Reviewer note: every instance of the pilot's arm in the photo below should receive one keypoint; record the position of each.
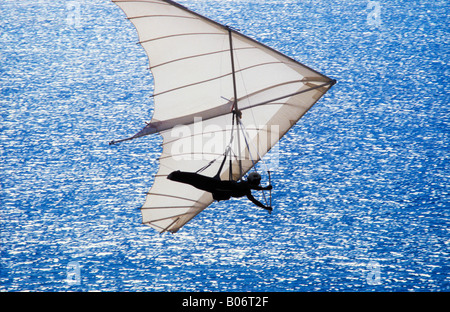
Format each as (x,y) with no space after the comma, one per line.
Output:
(260,188)
(256,202)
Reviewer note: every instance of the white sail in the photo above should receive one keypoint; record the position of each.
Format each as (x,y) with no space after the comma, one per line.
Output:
(197,81)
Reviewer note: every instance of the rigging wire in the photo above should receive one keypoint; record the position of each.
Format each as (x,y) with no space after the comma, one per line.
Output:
(228,150)
(236,121)
(246,138)
(250,109)
(244,130)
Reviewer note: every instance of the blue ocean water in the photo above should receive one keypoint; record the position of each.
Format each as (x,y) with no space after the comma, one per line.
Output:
(361,192)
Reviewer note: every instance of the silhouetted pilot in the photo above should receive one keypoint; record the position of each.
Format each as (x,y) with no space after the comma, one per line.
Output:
(223,189)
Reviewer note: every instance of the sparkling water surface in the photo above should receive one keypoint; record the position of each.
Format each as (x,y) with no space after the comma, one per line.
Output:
(361,187)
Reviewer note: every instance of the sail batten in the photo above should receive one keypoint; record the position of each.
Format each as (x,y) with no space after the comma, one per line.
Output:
(160,16)
(171,217)
(178,197)
(197,55)
(206,74)
(179,35)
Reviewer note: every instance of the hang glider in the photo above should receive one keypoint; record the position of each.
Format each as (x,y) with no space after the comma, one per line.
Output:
(220,97)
